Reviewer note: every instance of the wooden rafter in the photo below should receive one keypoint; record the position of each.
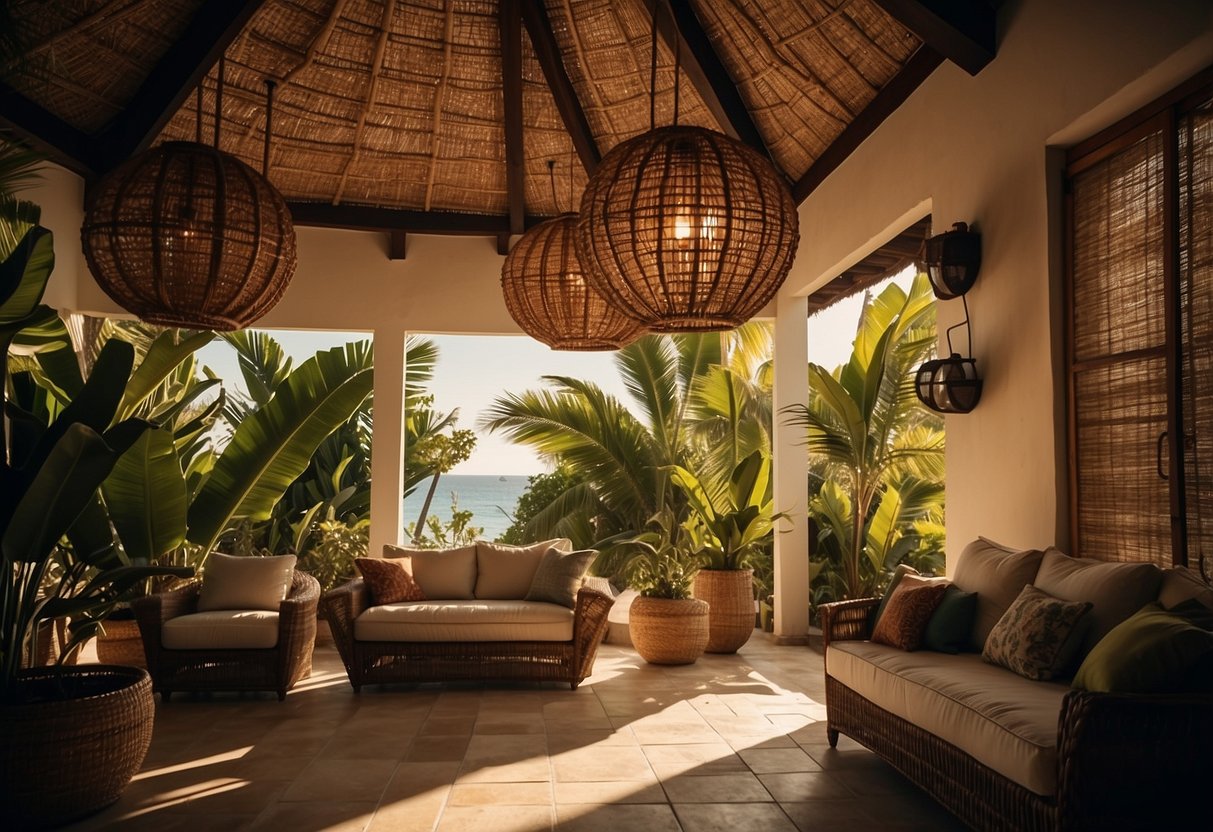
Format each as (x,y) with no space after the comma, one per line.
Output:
(882,263)
(535,18)
(385,28)
(963,31)
(921,64)
(510,17)
(397,245)
(439,97)
(46,132)
(105,14)
(184,65)
(681,30)
(372,218)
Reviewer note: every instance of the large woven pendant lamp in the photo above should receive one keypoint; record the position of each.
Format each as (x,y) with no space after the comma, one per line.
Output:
(546,292)
(187,235)
(686,229)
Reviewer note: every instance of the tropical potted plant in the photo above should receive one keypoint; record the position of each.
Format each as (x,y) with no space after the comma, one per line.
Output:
(70,737)
(667,625)
(726,531)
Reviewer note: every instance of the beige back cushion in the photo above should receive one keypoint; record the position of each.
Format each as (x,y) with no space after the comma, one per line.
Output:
(245,583)
(997,574)
(1115,590)
(504,573)
(1181,584)
(442,574)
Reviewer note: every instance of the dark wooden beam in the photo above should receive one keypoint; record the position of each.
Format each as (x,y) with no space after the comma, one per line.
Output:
(960,30)
(397,245)
(510,19)
(45,132)
(681,30)
(921,64)
(535,18)
(372,218)
(503,244)
(178,73)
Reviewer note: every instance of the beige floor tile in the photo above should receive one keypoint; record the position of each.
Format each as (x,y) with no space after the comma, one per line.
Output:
(344,780)
(533,769)
(238,798)
(506,747)
(817,814)
(707,758)
(673,733)
(316,816)
(447,726)
(731,817)
(608,762)
(410,814)
(496,819)
(615,818)
(437,749)
(778,760)
(800,786)
(501,794)
(569,740)
(509,723)
(620,791)
(743,741)
(716,788)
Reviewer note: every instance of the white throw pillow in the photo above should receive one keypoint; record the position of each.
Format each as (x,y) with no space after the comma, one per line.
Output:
(245,583)
(504,573)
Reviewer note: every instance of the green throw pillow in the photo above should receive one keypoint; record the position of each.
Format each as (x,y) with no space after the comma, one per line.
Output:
(952,622)
(559,576)
(1152,651)
(900,572)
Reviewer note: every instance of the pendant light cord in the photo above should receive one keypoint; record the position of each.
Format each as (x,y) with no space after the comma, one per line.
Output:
(269,125)
(677,72)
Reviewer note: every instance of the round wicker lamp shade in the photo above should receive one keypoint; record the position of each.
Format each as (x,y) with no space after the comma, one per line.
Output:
(547,295)
(687,230)
(187,235)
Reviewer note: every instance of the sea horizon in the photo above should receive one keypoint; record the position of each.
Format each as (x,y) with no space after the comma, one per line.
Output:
(491,498)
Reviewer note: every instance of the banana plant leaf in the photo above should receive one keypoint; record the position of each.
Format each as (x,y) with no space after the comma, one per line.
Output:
(24,274)
(163,357)
(146,496)
(271,448)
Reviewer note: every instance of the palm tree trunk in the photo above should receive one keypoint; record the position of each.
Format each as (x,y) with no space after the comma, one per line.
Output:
(419,529)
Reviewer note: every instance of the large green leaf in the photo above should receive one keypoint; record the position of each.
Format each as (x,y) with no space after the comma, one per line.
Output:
(146,496)
(163,357)
(24,275)
(273,446)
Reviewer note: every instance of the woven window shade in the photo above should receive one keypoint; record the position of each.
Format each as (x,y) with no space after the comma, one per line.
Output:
(1119,369)
(1196,304)
(687,230)
(547,295)
(186,235)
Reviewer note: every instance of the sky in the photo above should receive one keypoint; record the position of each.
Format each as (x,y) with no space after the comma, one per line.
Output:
(473,371)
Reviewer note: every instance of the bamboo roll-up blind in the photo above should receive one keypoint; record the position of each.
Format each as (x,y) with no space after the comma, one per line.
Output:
(1118,356)
(1196,299)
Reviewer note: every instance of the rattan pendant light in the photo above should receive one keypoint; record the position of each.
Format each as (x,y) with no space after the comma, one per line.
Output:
(686,229)
(187,235)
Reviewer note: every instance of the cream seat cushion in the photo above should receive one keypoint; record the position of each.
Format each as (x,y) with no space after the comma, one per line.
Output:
(221,630)
(465,621)
(1002,720)
(245,583)
(442,574)
(505,573)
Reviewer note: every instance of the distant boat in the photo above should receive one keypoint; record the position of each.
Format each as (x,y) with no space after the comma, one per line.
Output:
(501,479)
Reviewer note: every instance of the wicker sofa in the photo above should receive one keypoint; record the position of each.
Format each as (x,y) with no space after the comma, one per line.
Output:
(473,625)
(1005,752)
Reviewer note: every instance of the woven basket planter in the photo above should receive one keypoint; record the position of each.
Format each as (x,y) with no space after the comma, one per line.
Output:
(121,643)
(730,597)
(63,758)
(665,631)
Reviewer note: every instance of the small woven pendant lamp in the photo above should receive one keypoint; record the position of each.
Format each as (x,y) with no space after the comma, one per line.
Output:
(547,295)
(686,229)
(187,235)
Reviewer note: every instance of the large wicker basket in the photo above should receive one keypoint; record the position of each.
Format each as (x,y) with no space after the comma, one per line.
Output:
(665,631)
(730,597)
(63,758)
(121,643)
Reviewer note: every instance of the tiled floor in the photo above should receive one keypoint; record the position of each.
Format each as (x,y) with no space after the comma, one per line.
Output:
(731,743)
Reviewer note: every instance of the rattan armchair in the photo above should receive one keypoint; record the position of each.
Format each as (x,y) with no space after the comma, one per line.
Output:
(275,669)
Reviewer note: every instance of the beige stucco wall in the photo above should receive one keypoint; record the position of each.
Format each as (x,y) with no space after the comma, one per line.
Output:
(976,149)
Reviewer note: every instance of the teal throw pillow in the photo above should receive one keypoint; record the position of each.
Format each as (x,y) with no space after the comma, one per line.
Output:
(1152,651)
(951,624)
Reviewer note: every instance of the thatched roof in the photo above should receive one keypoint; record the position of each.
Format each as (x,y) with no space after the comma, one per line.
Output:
(442,114)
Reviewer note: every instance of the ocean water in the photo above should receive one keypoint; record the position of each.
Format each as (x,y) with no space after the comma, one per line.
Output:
(490,498)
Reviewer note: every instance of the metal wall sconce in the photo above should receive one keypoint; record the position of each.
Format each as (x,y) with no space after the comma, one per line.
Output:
(953,259)
(951,385)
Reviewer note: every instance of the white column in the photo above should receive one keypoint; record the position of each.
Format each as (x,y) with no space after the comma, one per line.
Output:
(790,464)
(387,441)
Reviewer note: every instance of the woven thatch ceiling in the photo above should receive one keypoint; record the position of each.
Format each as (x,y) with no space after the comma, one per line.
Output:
(442,115)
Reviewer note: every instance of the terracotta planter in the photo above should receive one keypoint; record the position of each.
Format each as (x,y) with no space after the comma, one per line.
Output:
(73,744)
(730,596)
(121,643)
(665,631)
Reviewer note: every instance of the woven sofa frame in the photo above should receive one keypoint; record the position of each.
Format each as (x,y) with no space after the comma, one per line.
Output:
(1124,761)
(274,669)
(381,662)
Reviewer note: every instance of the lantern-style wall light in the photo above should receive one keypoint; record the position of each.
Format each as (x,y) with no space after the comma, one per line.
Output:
(952,385)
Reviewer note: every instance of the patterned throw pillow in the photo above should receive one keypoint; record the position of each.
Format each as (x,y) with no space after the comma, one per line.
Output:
(1038,636)
(906,615)
(559,576)
(388,581)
